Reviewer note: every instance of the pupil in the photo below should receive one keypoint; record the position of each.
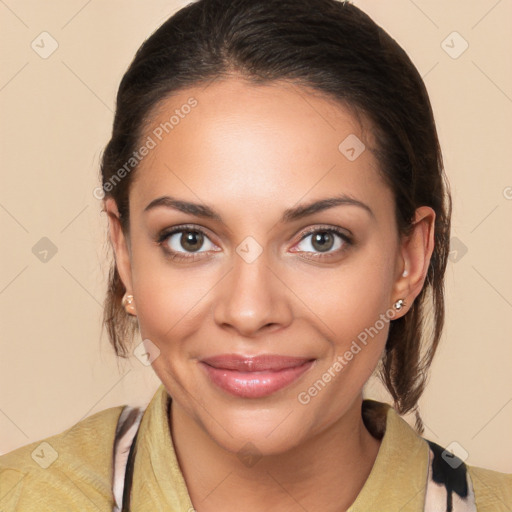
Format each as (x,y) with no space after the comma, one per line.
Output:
(322,241)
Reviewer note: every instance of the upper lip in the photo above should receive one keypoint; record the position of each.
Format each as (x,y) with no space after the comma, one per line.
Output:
(264,362)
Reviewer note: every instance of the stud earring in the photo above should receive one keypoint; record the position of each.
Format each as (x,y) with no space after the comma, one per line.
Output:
(127,301)
(399,304)
(405,273)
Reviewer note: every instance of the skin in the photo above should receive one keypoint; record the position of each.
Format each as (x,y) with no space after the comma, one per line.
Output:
(250,152)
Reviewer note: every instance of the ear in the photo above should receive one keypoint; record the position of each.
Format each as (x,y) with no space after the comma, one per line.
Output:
(414,258)
(121,245)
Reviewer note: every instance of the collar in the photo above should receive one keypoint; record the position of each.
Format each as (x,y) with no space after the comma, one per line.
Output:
(398,478)
(158,483)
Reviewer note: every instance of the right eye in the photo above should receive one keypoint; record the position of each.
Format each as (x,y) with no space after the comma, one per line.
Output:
(185,242)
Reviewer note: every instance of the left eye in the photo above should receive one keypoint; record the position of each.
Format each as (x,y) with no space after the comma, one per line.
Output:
(324,240)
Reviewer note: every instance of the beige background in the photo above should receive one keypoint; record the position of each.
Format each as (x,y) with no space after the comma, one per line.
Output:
(56,116)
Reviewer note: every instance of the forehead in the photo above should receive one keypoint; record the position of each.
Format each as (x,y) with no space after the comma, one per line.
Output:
(262,145)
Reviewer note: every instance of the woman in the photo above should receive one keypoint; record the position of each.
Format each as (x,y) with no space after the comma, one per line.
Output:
(280,221)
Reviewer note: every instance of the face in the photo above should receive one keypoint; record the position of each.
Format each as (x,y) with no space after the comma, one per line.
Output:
(264,259)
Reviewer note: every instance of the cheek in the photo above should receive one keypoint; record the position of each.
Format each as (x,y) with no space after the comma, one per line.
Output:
(168,298)
(169,306)
(347,300)
(356,323)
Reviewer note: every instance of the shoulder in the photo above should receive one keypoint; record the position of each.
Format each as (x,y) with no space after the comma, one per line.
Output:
(73,468)
(493,490)
(450,482)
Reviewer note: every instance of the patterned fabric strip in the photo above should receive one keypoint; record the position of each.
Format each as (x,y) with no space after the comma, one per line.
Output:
(449,485)
(127,427)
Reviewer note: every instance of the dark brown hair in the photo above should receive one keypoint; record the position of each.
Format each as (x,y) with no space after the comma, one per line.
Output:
(331,47)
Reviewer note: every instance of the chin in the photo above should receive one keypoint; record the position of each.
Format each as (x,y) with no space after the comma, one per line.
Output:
(252,440)
(269,431)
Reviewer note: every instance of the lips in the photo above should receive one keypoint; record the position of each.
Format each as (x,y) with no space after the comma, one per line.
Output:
(254,377)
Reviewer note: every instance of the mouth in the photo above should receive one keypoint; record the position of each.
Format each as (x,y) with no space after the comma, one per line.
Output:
(254,377)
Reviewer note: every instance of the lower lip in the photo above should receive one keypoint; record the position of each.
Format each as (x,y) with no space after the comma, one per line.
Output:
(255,384)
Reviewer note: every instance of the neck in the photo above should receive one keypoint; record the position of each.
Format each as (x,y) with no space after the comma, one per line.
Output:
(326,473)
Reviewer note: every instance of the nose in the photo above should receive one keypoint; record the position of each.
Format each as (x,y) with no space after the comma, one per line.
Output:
(252,299)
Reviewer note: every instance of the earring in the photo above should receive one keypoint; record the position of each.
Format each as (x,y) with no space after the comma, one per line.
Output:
(399,304)
(127,301)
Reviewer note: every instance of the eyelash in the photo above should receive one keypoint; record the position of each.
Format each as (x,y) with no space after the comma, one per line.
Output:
(175,255)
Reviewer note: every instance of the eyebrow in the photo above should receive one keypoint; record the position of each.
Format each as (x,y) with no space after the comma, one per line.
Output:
(289,215)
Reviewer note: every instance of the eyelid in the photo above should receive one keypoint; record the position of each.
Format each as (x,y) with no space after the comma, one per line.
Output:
(344,233)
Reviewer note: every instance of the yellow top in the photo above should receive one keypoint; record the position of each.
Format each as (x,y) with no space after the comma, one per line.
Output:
(72,471)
